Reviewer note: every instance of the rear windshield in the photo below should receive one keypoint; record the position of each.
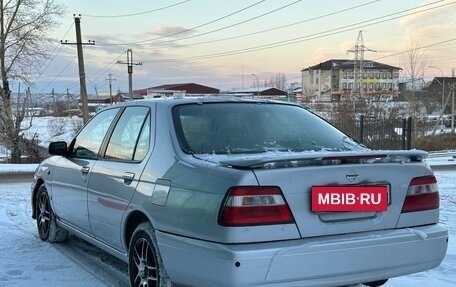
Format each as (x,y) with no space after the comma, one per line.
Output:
(233,128)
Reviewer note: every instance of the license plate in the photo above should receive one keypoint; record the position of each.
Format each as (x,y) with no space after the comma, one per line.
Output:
(349,198)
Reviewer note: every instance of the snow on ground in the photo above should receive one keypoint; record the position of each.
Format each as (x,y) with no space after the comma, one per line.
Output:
(26,261)
(445,274)
(50,129)
(442,158)
(3,151)
(46,130)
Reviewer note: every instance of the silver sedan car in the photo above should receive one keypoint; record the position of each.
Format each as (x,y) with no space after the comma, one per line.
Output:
(239,192)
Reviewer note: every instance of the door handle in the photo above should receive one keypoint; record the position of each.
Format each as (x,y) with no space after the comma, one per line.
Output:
(85,170)
(128,176)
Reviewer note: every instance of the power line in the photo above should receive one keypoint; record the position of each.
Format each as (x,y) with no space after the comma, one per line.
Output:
(58,75)
(229,26)
(136,14)
(101,72)
(279,27)
(323,34)
(52,57)
(422,47)
(330,32)
(104,70)
(106,83)
(189,29)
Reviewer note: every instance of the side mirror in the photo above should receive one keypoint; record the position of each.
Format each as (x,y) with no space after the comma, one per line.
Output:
(58,148)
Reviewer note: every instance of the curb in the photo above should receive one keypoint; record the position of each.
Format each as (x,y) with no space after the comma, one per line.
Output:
(443,167)
(18,176)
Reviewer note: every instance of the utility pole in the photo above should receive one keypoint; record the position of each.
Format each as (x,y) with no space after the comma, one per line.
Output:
(18,99)
(257,85)
(110,79)
(452,104)
(53,103)
(130,64)
(358,66)
(68,103)
(82,82)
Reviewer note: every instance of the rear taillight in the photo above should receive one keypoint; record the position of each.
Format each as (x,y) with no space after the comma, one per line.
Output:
(422,194)
(255,205)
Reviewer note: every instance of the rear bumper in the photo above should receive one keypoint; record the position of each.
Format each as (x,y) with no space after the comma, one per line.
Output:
(320,261)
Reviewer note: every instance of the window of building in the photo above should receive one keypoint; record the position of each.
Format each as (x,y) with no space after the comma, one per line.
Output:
(371,86)
(371,75)
(377,75)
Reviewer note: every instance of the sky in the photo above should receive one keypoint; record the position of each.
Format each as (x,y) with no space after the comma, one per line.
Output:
(229,44)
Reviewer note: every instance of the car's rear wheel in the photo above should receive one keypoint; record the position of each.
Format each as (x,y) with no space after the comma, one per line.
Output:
(375,283)
(145,266)
(45,219)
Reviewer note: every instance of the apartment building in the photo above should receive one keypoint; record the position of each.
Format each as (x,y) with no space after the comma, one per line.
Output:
(334,79)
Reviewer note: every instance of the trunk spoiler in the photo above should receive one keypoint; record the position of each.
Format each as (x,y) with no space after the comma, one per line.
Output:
(324,158)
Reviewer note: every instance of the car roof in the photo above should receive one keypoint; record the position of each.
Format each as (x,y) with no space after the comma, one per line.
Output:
(173,101)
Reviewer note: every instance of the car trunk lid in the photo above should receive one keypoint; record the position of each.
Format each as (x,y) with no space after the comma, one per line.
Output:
(297,174)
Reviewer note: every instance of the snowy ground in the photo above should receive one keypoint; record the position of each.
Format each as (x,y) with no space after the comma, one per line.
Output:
(52,129)
(26,261)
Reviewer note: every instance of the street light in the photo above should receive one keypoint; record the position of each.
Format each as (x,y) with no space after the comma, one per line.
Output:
(257,86)
(443,94)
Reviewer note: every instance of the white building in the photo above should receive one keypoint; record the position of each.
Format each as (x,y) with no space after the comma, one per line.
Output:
(334,79)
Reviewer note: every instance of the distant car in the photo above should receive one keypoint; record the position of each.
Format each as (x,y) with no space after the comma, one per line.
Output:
(239,192)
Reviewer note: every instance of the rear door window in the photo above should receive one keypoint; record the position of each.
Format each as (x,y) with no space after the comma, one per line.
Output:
(131,136)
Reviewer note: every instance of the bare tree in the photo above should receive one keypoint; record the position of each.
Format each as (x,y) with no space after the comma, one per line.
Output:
(24,27)
(278,81)
(414,64)
(307,93)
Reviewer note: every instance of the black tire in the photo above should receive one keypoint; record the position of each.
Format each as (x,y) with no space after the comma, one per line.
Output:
(45,219)
(376,283)
(145,267)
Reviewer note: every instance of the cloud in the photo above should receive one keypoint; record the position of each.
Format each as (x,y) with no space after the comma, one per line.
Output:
(324,54)
(172,31)
(430,28)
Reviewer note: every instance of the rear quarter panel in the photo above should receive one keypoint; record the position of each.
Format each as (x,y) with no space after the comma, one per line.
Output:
(196,191)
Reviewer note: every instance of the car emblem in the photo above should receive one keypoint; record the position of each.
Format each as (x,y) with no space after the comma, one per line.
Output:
(352,176)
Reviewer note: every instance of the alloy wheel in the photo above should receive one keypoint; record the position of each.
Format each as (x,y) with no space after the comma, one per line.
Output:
(145,264)
(44,215)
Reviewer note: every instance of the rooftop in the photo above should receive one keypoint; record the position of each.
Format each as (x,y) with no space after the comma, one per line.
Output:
(348,64)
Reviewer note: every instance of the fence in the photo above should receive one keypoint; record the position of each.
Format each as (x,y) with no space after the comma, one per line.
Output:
(380,133)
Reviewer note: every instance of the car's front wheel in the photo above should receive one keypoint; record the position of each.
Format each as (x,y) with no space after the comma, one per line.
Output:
(48,229)
(145,266)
